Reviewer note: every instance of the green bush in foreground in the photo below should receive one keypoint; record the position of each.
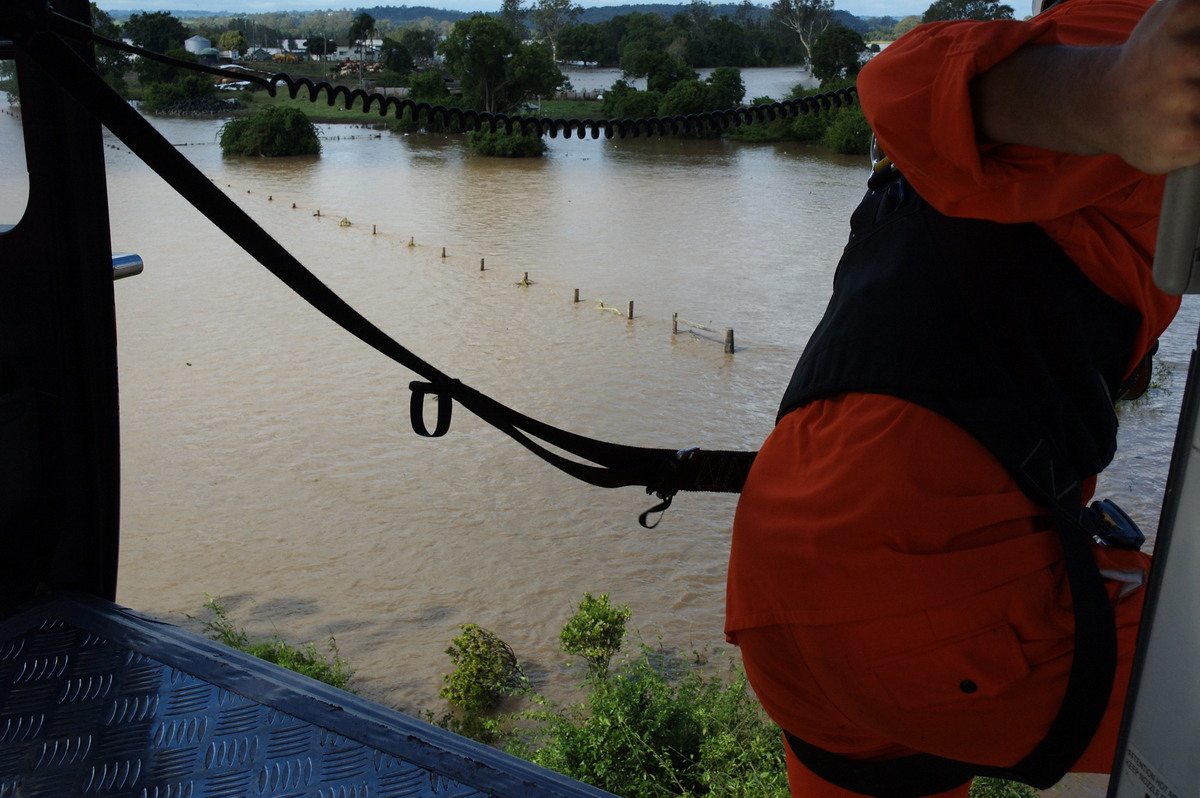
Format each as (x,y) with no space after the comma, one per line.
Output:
(595,632)
(306,659)
(659,725)
(655,725)
(486,671)
(275,130)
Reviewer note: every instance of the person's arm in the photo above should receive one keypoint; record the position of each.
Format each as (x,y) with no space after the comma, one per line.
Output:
(1139,100)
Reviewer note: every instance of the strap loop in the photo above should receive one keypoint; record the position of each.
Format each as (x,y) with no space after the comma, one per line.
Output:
(416,407)
(667,484)
(660,508)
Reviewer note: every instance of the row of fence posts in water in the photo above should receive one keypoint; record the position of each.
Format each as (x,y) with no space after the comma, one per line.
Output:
(676,322)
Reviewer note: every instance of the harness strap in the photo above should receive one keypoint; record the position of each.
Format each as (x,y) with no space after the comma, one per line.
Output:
(609,465)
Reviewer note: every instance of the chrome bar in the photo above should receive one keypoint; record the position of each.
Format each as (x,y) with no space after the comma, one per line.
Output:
(126,264)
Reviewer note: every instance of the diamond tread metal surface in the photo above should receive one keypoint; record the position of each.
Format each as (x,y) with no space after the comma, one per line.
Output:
(98,701)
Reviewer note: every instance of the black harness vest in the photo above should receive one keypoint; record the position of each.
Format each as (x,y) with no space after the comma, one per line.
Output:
(994,327)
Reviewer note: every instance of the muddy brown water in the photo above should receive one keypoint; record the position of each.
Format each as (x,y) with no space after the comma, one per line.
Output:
(267,456)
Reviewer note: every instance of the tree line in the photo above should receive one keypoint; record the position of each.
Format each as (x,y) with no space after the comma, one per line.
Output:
(501,61)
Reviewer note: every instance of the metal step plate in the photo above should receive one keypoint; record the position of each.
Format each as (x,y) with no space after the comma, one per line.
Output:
(97,700)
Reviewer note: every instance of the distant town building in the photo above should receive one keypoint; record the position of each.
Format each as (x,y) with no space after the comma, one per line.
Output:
(196,45)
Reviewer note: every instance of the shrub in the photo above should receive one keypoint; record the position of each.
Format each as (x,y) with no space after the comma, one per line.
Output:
(623,101)
(848,132)
(305,659)
(660,726)
(486,670)
(161,96)
(428,87)
(506,145)
(274,131)
(595,632)
(844,130)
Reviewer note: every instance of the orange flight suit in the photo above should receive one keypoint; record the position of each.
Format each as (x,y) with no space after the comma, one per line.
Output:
(892,589)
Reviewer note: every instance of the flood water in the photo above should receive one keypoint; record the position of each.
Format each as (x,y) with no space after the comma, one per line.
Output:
(267,455)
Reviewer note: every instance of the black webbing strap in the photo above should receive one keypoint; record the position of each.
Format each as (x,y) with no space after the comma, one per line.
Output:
(661,471)
(1089,687)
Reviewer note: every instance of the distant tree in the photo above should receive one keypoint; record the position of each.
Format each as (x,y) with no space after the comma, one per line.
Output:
(166,96)
(666,72)
(275,130)
(157,31)
(396,57)
(967,9)
(506,145)
(362,30)
(687,97)
(512,15)
(906,24)
(111,63)
(150,71)
(581,42)
(532,73)
(232,40)
(623,101)
(640,58)
(428,87)
(495,70)
(551,16)
(807,18)
(8,79)
(166,86)
(320,46)
(837,53)
(421,43)
(726,86)
(725,44)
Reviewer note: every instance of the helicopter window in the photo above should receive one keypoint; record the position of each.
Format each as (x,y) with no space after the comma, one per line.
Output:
(14,174)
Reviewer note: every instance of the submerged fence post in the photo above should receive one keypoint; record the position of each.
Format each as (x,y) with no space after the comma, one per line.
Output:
(631,308)
(481,264)
(675,321)
(576,296)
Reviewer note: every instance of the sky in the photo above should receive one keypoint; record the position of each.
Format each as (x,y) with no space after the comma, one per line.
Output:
(861,8)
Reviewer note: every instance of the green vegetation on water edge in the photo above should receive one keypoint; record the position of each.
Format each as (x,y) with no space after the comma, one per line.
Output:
(654,724)
(305,659)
